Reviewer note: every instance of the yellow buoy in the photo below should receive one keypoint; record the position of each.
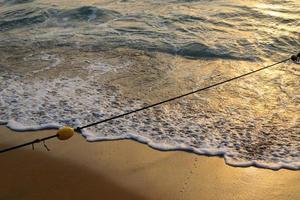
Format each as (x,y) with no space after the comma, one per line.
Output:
(65,133)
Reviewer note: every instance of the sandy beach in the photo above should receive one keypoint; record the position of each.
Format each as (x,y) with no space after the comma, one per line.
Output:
(76,169)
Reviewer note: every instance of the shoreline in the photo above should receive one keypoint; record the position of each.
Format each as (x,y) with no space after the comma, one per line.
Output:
(165,148)
(76,169)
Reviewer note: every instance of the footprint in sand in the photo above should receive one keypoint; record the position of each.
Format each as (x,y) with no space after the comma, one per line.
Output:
(187,179)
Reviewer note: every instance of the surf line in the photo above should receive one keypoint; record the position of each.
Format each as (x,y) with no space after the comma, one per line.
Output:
(66,132)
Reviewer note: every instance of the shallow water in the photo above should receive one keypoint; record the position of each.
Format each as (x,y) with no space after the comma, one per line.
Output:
(65,63)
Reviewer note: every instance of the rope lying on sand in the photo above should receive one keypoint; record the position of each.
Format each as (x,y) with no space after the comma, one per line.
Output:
(62,134)
(67,132)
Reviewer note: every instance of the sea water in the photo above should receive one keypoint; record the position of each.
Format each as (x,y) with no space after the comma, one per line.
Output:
(77,62)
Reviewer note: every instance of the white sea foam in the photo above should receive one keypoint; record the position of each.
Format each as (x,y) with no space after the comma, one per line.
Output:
(53,60)
(37,104)
(102,67)
(12,124)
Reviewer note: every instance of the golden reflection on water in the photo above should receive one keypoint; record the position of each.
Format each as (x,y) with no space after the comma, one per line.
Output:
(280,11)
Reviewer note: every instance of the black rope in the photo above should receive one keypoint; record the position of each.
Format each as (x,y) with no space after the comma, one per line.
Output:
(30,143)
(189,93)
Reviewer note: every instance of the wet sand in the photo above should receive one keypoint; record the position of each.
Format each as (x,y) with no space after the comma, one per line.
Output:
(76,169)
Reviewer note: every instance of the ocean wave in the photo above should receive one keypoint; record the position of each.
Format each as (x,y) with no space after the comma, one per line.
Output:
(198,50)
(87,13)
(14,2)
(239,33)
(28,17)
(20,18)
(260,15)
(242,140)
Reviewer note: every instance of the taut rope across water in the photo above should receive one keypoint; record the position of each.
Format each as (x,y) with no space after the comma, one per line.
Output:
(67,132)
